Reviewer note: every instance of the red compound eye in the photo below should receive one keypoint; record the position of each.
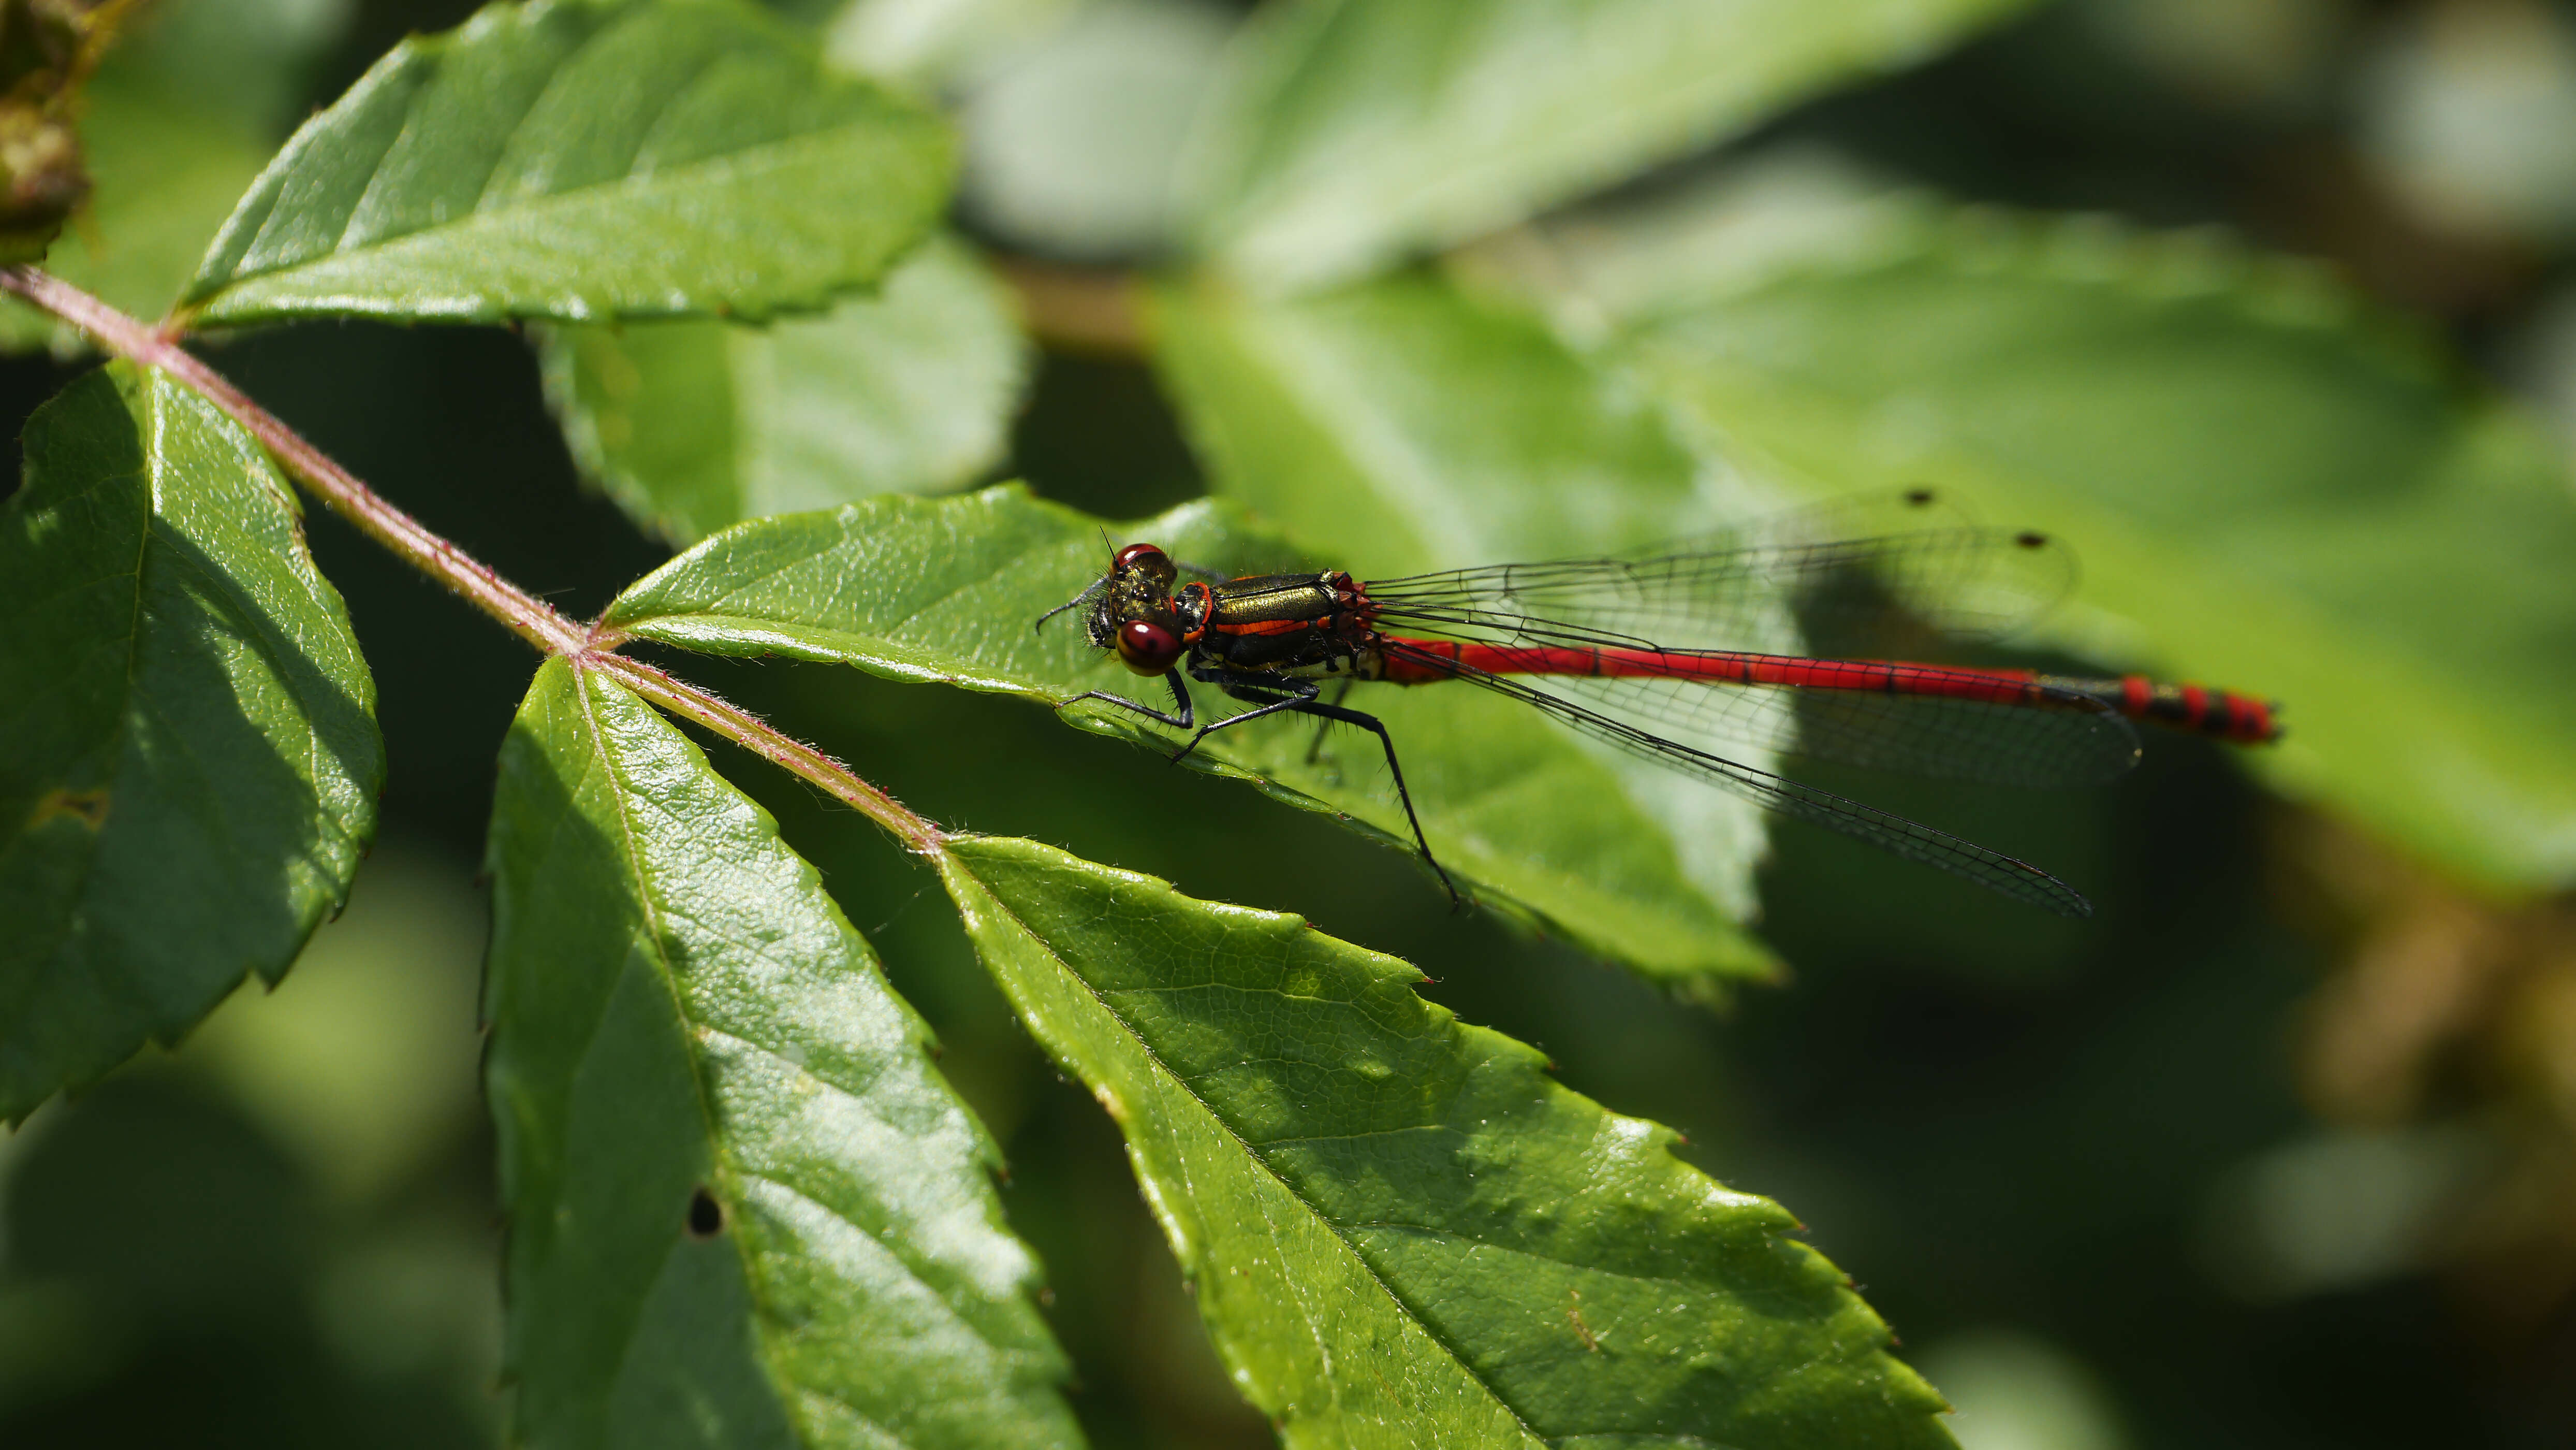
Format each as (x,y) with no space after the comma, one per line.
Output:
(1147,648)
(1129,556)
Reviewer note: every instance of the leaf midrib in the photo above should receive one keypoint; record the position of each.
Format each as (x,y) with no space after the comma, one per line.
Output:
(604,758)
(1155,1062)
(782,1386)
(769,155)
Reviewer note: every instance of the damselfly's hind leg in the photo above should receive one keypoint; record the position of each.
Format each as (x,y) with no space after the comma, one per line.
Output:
(1272,694)
(1298,697)
(1315,750)
(1329,713)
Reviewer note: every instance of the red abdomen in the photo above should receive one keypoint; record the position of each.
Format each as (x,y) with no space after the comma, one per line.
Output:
(2221,713)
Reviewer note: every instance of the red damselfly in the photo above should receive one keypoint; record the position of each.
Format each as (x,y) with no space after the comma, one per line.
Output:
(1647,654)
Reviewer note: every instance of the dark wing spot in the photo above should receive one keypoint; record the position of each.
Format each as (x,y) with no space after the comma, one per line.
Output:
(1918,496)
(2031,541)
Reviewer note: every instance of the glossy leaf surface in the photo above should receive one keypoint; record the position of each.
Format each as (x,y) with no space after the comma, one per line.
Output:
(2270,489)
(1400,1231)
(948,590)
(581,160)
(695,424)
(740,1199)
(191,759)
(1346,134)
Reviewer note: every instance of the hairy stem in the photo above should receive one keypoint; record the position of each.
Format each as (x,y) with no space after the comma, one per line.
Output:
(776,746)
(524,614)
(527,616)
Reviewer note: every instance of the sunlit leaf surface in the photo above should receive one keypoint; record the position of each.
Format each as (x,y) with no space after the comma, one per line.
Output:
(740,1199)
(191,762)
(948,590)
(2269,488)
(1346,133)
(1400,1231)
(695,424)
(579,160)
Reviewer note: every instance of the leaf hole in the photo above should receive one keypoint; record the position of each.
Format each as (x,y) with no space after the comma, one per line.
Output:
(706,1216)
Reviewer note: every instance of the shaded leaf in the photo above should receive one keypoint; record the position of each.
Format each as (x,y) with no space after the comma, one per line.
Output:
(1345,134)
(2270,489)
(191,759)
(582,160)
(695,424)
(947,590)
(1400,1231)
(166,176)
(740,1198)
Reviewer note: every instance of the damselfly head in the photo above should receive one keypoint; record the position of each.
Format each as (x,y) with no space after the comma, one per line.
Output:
(1132,612)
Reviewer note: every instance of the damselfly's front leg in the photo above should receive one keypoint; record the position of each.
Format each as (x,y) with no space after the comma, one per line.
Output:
(1184,718)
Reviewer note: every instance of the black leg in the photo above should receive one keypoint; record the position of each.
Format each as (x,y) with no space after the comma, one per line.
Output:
(1315,751)
(1324,711)
(1186,718)
(1300,699)
(1268,694)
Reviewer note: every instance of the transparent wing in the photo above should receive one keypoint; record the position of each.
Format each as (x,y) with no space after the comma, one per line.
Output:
(1874,577)
(1889,832)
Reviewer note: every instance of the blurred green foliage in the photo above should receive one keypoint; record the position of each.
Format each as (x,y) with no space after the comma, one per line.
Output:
(2031,1141)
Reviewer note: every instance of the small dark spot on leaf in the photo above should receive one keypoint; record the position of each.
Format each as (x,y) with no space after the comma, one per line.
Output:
(1918,496)
(706,1216)
(2030,541)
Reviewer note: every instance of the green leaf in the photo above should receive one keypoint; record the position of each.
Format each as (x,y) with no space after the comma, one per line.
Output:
(695,424)
(1413,427)
(1399,1229)
(947,590)
(165,177)
(1345,134)
(583,160)
(192,762)
(2270,489)
(741,1202)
